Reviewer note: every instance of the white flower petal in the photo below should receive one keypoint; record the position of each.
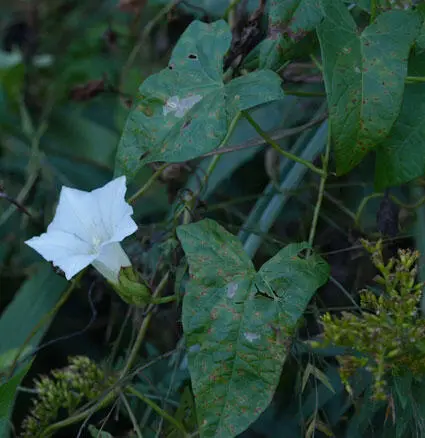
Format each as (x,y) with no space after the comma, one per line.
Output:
(86,229)
(76,214)
(65,250)
(114,210)
(99,216)
(110,260)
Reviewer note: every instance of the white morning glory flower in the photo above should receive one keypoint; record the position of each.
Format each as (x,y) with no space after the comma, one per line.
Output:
(87,229)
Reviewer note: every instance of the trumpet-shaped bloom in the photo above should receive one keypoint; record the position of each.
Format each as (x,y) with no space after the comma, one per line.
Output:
(87,229)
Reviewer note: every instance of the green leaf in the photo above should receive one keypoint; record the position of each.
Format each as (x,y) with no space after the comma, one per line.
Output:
(185,110)
(401,157)
(8,391)
(237,336)
(185,414)
(364,77)
(300,15)
(403,388)
(35,299)
(268,116)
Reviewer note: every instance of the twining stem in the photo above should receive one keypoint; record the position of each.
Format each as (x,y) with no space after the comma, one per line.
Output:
(278,134)
(281,151)
(148,184)
(323,178)
(143,328)
(131,415)
(363,204)
(44,320)
(393,198)
(213,163)
(186,212)
(164,414)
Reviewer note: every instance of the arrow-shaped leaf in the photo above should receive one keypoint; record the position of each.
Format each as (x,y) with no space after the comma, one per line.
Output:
(238,322)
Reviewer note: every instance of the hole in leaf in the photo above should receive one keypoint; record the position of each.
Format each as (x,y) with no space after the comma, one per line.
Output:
(144,155)
(192,56)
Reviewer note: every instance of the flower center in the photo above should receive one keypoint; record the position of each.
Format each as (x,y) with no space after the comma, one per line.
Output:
(96,244)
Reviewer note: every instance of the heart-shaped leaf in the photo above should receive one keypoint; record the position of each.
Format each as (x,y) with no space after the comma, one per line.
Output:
(238,322)
(185,110)
(364,77)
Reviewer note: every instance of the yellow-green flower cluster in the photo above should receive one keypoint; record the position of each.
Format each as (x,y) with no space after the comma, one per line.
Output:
(388,336)
(67,389)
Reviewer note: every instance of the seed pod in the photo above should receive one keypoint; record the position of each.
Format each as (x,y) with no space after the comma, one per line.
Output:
(387,217)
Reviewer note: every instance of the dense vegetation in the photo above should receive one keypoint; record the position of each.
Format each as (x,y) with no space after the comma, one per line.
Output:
(247,261)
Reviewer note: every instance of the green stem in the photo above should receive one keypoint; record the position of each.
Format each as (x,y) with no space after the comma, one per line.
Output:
(413,206)
(393,198)
(321,189)
(373,10)
(164,300)
(316,62)
(213,163)
(133,419)
(106,399)
(266,211)
(49,315)
(186,211)
(277,134)
(148,184)
(281,151)
(164,414)
(33,170)
(143,329)
(79,417)
(229,9)
(340,205)
(415,79)
(363,205)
